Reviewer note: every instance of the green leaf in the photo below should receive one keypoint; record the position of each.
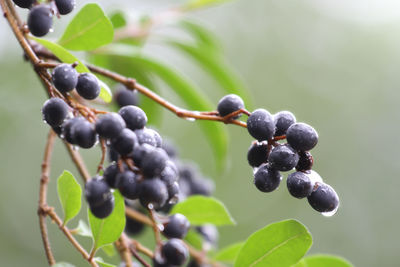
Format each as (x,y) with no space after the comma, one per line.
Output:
(216,67)
(229,253)
(83,229)
(279,244)
(194,239)
(323,260)
(118,19)
(66,57)
(202,36)
(88,30)
(62,264)
(109,250)
(70,194)
(102,263)
(196,4)
(106,231)
(201,210)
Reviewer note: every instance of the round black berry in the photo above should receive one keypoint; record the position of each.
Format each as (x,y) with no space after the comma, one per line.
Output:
(267,179)
(68,129)
(54,111)
(283,120)
(125,142)
(201,186)
(177,226)
(170,148)
(24,3)
(133,227)
(228,104)
(153,191)
(299,184)
(260,125)
(140,152)
(128,185)
(65,77)
(169,174)
(97,192)
(88,86)
(65,6)
(323,198)
(40,20)
(209,233)
(145,136)
(110,125)
(103,210)
(302,137)
(110,175)
(112,154)
(157,137)
(175,251)
(257,153)
(154,163)
(134,117)
(173,192)
(283,158)
(125,97)
(83,134)
(306,161)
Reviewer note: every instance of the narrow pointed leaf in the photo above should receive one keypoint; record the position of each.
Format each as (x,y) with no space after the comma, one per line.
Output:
(229,253)
(323,260)
(66,57)
(88,30)
(106,231)
(70,194)
(202,36)
(280,244)
(201,210)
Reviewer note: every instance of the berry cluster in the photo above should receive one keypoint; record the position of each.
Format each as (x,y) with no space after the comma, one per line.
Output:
(269,157)
(40,17)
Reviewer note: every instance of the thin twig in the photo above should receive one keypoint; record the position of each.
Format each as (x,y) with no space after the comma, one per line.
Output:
(77,159)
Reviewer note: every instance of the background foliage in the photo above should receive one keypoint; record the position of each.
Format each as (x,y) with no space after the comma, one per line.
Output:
(330,65)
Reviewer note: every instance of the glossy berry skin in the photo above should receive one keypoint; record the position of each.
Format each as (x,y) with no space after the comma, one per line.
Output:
(173,192)
(201,186)
(24,3)
(169,174)
(170,149)
(65,78)
(267,179)
(260,125)
(157,137)
(154,163)
(153,191)
(103,210)
(302,137)
(145,136)
(175,251)
(125,97)
(110,125)
(83,134)
(306,161)
(97,192)
(65,6)
(299,185)
(209,233)
(134,117)
(54,111)
(40,20)
(125,142)
(110,175)
(128,185)
(228,104)
(140,152)
(283,158)
(283,120)
(323,198)
(68,129)
(88,86)
(177,226)
(257,154)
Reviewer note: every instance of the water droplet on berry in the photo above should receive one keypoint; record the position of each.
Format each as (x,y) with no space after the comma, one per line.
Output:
(75,148)
(150,206)
(330,213)
(62,136)
(314,177)
(51,30)
(190,119)
(160,227)
(174,200)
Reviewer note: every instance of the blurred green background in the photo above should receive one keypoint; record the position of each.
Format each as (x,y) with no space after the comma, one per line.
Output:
(334,64)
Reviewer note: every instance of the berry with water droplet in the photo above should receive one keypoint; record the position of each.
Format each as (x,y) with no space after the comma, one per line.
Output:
(88,86)
(267,179)
(299,184)
(54,111)
(175,251)
(283,158)
(257,154)
(302,137)
(177,226)
(283,120)
(323,198)
(65,78)
(40,20)
(260,125)
(65,6)
(110,125)
(134,117)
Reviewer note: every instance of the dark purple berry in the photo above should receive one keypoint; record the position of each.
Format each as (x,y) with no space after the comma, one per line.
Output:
(154,163)
(110,125)
(133,227)
(283,120)
(145,136)
(65,78)
(177,226)
(88,86)
(112,154)
(299,184)
(306,161)
(65,6)
(169,174)
(175,251)
(134,117)
(103,210)
(40,20)
(54,111)
(125,142)
(170,148)
(83,134)
(140,152)
(128,185)
(173,192)
(257,154)
(283,158)
(68,129)
(323,198)
(209,233)
(302,137)
(97,192)
(157,137)
(153,191)
(260,125)
(201,186)
(24,3)
(228,104)
(125,97)
(110,175)
(267,179)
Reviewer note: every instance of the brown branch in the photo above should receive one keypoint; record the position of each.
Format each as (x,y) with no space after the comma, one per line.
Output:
(77,159)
